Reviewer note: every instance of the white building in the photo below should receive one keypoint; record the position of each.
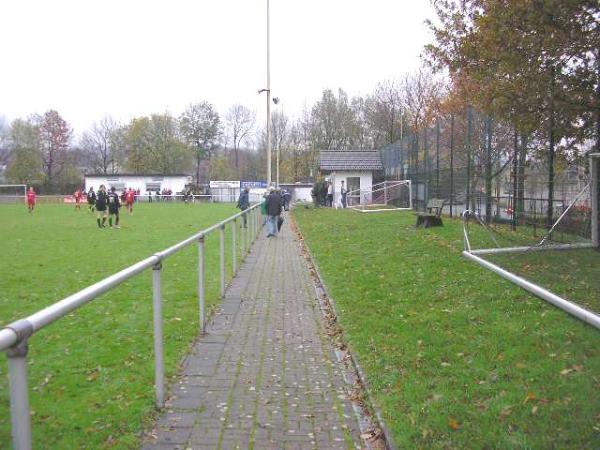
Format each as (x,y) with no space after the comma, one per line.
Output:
(355,168)
(144,182)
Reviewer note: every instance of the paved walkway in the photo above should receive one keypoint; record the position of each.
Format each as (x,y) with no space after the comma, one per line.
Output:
(265,375)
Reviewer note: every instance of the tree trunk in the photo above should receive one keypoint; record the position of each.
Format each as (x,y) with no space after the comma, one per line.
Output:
(488,171)
(521,177)
(515,172)
(551,155)
(437,158)
(451,165)
(469,133)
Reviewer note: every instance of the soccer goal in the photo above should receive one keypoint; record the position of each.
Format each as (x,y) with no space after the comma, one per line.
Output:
(385,196)
(560,266)
(12,193)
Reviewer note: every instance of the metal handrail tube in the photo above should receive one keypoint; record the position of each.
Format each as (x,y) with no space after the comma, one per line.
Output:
(559,302)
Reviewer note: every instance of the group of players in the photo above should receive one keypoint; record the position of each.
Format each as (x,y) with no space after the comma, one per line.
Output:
(105,203)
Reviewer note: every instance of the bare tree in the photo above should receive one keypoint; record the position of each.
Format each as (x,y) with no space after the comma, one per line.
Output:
(100,146)
(386,112)
(240,122)
(199,126)
(55,136)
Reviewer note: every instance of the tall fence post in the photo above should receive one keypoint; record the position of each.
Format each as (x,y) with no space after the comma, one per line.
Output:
(243,237)
(159,371)
(234,246)
(222,260)
(201,281)
(19,396)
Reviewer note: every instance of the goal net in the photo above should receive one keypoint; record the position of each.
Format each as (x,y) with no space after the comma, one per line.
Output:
(385,196)
(12,193)
(557,260)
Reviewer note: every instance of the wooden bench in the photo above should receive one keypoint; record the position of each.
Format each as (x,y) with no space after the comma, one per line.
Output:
(433,216)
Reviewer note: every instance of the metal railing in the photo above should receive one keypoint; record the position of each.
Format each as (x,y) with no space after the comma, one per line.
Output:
(15,336)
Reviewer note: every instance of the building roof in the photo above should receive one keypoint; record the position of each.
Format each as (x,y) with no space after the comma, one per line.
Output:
(118,175)
(350,160)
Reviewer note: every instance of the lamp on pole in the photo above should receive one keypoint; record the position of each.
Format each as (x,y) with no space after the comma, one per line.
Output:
(268,91)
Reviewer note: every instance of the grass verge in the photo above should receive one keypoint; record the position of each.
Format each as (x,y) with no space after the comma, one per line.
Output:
(92,373)
(455,356)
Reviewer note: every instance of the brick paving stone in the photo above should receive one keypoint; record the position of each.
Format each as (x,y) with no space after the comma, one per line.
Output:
(264,375)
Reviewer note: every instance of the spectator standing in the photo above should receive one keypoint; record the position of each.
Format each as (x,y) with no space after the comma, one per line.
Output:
(274,206)
(329,194)
(343,191)
(244,203)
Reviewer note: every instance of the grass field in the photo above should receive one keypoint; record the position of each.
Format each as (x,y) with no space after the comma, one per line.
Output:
(455,356)
(92,373)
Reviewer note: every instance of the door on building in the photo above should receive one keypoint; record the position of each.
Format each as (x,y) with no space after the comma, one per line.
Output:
(353,186)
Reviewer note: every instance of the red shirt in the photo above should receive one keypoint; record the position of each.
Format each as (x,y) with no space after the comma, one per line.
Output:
(30,196)
(77,195)
(130,196)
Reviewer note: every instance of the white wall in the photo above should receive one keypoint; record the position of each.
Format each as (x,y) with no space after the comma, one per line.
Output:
(366,181)
(176,184)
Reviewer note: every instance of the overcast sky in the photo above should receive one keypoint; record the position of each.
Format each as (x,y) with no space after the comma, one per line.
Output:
(126,58)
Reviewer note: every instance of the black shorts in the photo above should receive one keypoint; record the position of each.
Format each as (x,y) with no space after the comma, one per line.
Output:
(101,207)
(91,201)
(113,210)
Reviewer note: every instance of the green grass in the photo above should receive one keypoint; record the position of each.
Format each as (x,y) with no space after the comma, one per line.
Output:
(455,356)
(92,373)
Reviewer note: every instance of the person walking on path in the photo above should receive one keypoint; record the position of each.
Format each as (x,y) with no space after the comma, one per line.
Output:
(274,206)
(244,203)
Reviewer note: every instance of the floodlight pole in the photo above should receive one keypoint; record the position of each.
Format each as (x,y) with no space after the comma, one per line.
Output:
(268,97)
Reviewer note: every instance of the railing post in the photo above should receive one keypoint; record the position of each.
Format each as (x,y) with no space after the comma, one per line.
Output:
(234,246)
(222,260)
(159,371)
(243,237)
(19,396)
(201,281)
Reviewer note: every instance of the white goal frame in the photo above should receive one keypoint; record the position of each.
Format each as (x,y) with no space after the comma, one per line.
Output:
(572,308)
(380,187)
(15,196)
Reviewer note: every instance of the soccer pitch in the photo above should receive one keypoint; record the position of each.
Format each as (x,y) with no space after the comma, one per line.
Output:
(91,374)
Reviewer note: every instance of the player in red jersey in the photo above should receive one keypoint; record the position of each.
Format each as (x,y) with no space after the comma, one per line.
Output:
(30,199)
(129,199)
(77,196)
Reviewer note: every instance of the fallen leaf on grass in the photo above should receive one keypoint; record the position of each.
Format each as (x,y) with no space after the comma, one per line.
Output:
(530,397)
(454,424)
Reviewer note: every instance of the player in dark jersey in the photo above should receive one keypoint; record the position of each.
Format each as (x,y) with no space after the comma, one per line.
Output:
(91,199)
(113,207)
(101,201)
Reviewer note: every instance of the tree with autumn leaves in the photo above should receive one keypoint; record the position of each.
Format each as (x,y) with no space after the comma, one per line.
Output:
(533,64)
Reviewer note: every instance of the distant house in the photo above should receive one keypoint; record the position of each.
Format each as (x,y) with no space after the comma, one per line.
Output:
(355,168)
(144,182)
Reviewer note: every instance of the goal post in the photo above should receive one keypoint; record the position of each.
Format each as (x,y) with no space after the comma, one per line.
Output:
(13,193)
(384,196)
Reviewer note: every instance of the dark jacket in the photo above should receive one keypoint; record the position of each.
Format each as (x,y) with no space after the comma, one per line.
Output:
(243,202)
(274,204)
